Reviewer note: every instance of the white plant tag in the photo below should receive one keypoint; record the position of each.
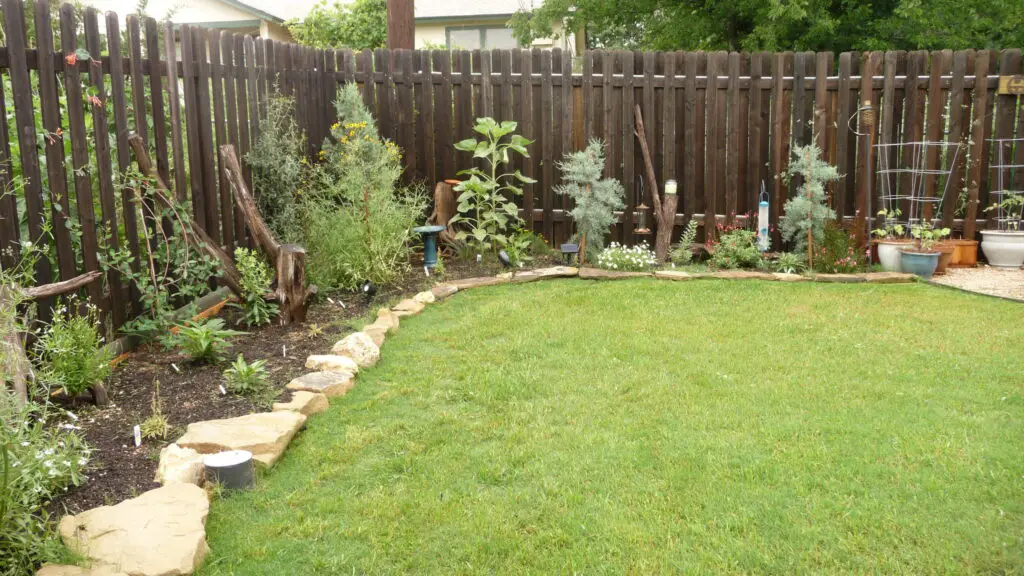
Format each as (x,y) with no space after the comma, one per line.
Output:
(175,366)
(138,436)
(223,392)
(284,350)
(426,271)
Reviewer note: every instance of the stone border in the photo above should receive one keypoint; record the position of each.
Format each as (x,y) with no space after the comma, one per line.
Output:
(267,434)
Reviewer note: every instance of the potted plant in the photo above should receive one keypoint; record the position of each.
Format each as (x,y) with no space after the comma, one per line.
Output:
(1004,248)
(889,239)
(922,258)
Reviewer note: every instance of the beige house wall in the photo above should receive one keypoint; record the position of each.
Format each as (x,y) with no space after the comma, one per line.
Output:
(433,32)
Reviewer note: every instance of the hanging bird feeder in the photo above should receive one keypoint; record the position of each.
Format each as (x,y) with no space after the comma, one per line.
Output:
(641,210)
(763,240)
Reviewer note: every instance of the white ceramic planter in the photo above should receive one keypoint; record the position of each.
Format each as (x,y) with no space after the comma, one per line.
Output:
(889,255)
(1002,248)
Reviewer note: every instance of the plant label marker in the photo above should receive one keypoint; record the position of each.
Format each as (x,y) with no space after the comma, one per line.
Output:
(223,392)
(284,350)
(479,258)
(426,271)
(138,435)
(175,366)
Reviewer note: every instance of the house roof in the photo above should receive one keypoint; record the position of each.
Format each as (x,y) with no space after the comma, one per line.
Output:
(248,7)
(446,9)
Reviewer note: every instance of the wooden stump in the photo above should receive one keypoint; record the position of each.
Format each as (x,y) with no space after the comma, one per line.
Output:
(291,283)
(444,210)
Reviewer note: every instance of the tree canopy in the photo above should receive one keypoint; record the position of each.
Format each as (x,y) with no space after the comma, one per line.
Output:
(358,25)
(835,25)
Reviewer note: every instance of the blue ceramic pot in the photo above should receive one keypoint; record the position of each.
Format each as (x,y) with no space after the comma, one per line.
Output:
(921,263)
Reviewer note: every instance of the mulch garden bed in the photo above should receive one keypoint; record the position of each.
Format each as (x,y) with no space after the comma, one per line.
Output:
(191,393)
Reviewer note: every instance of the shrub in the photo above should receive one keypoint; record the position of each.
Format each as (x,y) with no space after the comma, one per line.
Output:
(70,351)
(357,218)
(807,211)
(484,203)
(736,248)
(595,199)
(277,162)
(682,253)
(256,278)
(203,341)
(37,462)
(837,253)
(639,258)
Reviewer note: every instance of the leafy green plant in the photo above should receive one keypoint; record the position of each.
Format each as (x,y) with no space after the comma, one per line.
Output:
(595,200)
(245,378)
(736,248)
(790,263)
(617,257)
(807,212)
(37,462)
(927,235)
(156,426)
(1012,207)
(359,25)
(682,253)
(524,246)
(203,341)
(278,165)
(255,279)
(890,227)
(70,351)
(357,217)
(484,205)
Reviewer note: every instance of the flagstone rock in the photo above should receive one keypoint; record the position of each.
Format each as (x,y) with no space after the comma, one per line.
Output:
(65,570)
(888,277)
(388,319)
(160,533)
(602,274)
(408,307)
(742,275)
(545,274)
(675,275)
(265,434)
(376,332)
(467,283)
(330,383)
(839,278)
(425,297)
(332,362)
(442,291)
(306,403)
(786,277)
(359,347)
(180,465)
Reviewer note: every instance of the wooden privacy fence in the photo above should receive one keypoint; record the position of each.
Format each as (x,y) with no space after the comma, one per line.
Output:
(721,124)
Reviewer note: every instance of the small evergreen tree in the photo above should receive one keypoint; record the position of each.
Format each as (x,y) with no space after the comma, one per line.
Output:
(595,200)
(807,212)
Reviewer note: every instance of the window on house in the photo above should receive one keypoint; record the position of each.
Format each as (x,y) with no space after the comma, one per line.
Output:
(480,37)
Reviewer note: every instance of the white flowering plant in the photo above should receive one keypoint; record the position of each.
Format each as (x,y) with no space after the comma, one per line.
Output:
(620,258)
(70,350)
(37,462)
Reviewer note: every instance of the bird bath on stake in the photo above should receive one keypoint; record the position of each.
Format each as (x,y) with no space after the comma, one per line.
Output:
(429,234)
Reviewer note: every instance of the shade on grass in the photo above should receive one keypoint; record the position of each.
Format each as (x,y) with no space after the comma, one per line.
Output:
(647,426)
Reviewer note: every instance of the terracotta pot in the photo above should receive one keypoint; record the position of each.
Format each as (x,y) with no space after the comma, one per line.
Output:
(965,255)
(945,249)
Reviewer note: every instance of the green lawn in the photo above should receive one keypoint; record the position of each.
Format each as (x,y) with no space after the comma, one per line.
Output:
(647,426)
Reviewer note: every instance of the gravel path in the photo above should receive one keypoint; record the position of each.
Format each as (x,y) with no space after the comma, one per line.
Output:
(987,280)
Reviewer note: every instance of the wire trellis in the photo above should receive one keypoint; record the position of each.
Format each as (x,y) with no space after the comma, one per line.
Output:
(1007,197)
(902,188)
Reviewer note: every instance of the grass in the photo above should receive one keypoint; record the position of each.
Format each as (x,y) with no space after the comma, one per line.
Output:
(645,426)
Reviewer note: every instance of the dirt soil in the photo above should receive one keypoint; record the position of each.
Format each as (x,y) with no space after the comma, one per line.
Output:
(191,392)
(986,280)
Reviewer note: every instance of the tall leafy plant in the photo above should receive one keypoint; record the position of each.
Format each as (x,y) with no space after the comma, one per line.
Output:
(358,217)
(803,222)
(595,199)
(485,203)
(278,164)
